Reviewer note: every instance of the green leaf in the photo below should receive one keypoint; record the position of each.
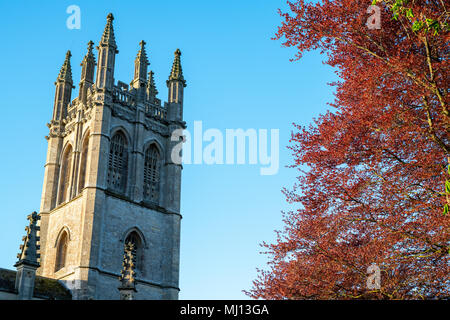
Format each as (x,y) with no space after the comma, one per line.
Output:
(445,209)
(447,186)
(417,25)
(429,21)
(409,13)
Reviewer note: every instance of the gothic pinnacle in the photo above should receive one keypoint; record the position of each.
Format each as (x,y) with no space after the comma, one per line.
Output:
(108,34)
(65,74)
(89,57)
(90,46)
(87,72)
(29,250)
(142,55)
(177,72)
(127,275)
(151,86)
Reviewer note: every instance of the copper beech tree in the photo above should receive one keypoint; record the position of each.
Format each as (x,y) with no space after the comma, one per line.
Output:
(371,171)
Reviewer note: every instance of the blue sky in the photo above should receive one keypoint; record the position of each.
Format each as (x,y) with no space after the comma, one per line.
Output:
(237,78)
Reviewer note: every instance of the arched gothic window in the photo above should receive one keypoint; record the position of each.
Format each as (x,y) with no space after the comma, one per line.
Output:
(61,251)
(152,173)
(83,163)
(118,160)
(134,238)
(64,177)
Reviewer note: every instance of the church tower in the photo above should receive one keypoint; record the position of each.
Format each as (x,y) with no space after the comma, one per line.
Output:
(110,180)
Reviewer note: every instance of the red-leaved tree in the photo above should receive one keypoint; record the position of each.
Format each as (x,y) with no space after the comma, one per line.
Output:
(373,191)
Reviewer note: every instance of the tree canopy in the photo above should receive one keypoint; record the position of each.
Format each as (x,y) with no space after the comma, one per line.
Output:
(377,162)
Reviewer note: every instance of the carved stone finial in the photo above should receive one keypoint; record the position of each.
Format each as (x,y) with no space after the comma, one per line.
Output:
(108,37)
(89,57)
(177,72)
(90,47)
(127,275)
(152,92)
(65,74)
(141,64)
(141,57)
(29,250)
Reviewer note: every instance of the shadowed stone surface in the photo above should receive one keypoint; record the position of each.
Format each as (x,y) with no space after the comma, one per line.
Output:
(44,288)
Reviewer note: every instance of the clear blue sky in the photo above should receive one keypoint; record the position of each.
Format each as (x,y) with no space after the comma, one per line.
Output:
(237,78)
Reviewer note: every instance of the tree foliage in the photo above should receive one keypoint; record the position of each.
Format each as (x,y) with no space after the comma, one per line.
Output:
(373,191)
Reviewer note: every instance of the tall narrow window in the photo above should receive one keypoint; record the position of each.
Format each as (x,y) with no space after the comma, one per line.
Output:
(117,167)
(83,163)
(64,176)
(61,251)
(152,168)
(134,238)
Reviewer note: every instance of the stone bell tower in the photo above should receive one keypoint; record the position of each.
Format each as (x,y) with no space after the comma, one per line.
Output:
(110,180)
